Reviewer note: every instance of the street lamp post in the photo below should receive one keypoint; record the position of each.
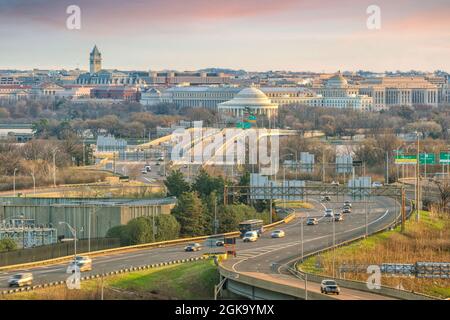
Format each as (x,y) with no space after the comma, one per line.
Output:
(74,233)
(22,219)
(54,166)
(301,222)
(14,181)
(418,179)
(34,183)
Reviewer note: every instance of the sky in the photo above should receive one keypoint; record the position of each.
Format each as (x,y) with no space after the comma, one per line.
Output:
(255,35)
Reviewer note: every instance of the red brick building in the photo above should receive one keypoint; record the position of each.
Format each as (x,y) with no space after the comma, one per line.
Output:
(116,93)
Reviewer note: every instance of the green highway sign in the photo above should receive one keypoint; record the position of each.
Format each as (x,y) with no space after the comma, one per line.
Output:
(427,158)
(243,125)
(406,159)
(444,157)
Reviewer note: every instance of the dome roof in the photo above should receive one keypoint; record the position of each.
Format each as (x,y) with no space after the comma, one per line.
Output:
(249,97)
(337,81)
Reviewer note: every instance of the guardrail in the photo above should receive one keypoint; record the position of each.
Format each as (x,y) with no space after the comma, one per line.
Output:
(160,244)
(359,285)
(280,289)
(103,275)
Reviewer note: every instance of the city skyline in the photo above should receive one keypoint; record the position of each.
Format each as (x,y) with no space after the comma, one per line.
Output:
(252,35)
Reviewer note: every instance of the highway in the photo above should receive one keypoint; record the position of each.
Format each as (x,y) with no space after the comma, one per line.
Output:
(267,256)
(257,257)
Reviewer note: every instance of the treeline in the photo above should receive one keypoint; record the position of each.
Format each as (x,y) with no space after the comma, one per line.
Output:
(56,118)
(199,211)
(432,122)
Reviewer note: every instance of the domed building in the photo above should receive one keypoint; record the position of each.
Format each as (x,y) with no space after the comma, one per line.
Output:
(249,99)
(336,92)
(337,81)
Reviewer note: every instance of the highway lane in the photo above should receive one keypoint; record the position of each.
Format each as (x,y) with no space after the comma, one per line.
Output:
(267,255)
(260,254)
(107,263)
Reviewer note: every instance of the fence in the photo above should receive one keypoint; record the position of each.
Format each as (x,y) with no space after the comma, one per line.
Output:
(55,251)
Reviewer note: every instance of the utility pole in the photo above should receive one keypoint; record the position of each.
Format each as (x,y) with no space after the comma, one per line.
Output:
(323,164)
(215,215)
(334,248)
(14,182)
(418,207)
(387,167)
(34,183)
(54,167)
(403,209)
(301,222)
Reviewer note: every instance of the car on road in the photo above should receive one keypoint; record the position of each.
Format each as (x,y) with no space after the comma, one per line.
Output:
(250,236)
(335,183)
(329,286)
(329,213)
(338,217)
(312,221)
(220,243)
(21,279)
(148,168)
(325,198)
(192,247)
(84,263)
(278,234)
(346,210)
(377,184)
(347,204)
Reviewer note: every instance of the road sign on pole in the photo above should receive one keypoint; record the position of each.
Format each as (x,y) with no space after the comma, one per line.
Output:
(444,157)
(406,159)
(427,158)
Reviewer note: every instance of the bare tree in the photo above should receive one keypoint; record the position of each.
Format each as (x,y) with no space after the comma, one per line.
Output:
(444,194)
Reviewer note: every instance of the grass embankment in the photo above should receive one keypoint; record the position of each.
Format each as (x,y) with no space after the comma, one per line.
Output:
(190,281)
(425,241)
(294,204)
(63,176)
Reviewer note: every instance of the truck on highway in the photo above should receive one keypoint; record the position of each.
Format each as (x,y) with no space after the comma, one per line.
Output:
(251,225)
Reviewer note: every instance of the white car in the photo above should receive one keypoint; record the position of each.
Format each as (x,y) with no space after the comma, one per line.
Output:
(377,184)
(335,183)
(329,286)
(250,236)
(278,234)
(329,213)
(83,263)
(21,279)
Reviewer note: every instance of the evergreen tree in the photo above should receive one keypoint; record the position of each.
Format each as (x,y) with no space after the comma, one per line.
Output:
(189,213)
(176,184)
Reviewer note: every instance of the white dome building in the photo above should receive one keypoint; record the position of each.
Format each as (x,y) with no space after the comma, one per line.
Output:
(251,99)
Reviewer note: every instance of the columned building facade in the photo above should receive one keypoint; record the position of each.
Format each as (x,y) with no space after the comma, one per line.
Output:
(250,99)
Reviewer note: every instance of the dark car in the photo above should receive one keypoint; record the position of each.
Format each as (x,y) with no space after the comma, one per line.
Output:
(193,247)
